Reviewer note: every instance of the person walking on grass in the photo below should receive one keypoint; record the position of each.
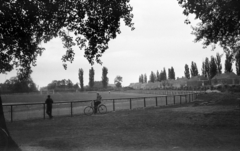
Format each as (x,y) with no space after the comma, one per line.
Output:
(49,103)
(97,102)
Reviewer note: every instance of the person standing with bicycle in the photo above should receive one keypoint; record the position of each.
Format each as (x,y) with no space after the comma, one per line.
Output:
(97,102)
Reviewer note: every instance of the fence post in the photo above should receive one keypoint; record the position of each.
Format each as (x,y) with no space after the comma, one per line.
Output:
(166,101)
(71,109)
(174,99)
(189,97)
(156,102)
(11,113)
(43,110)
(185,98)
(130,101)
(113,105)
(144,102)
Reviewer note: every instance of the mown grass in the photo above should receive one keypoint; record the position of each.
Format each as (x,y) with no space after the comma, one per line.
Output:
(67,97)
(180,128)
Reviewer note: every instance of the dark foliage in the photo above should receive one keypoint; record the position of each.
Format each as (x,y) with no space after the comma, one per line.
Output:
(80,76)
(141,79)
(61,85)
(104,77)
(118,81)
(213,68)
(228,62)
(25,24)
(194,69)
(207,68)
(186,72)
(91,78)
(219,21)
(15,85)
(237,57)
(152,77)
(218,63)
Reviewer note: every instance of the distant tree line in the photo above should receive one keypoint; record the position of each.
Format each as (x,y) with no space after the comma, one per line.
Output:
(17,85)
(210,67)
(103,84)
(213,66)
(158,77)
(61,85)
(92,84)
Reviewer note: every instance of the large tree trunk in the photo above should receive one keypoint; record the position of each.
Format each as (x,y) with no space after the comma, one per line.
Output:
(12,146)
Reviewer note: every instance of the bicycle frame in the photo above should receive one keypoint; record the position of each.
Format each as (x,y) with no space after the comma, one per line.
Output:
(101,108)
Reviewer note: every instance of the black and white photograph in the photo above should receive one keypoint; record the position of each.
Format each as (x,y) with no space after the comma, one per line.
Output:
(119,75)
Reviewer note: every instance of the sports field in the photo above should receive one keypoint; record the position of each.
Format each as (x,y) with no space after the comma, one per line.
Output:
(67,97)
(70,104)
(83,96)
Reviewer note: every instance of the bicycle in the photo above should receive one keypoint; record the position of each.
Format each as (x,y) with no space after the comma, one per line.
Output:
(89,110)
(3,140)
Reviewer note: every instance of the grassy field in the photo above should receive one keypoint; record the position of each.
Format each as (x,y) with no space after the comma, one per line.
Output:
(67,97)
(210,123)
(121,102)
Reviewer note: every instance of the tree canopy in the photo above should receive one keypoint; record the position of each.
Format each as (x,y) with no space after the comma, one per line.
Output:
(207,68)
(228,63)
(152,77)
(118,81)
(25,24)
(186,72)
(145,78)
(218,63)
(80,77)
(105,79)
(194,69)
(14,85)
(64,84)
(219,22)
(237,57)
(91,77)
(141,79)
(171,73)
(212,67)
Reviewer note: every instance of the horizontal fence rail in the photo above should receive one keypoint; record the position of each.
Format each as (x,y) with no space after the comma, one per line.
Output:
(14,112)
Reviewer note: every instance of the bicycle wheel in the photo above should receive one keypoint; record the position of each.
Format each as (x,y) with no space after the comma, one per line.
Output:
(102,109)
(3,140)
(88,110)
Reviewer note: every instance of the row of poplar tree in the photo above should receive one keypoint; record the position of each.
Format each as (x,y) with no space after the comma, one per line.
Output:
(158,77)
(117,81)
(91,78)
(210,67)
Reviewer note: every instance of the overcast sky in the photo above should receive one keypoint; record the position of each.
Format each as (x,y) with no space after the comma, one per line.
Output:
(161,39)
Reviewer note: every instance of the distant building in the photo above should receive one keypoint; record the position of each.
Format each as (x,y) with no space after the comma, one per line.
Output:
(198,81)
(136,85)
(151,85)
(180,82)
(229,78)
